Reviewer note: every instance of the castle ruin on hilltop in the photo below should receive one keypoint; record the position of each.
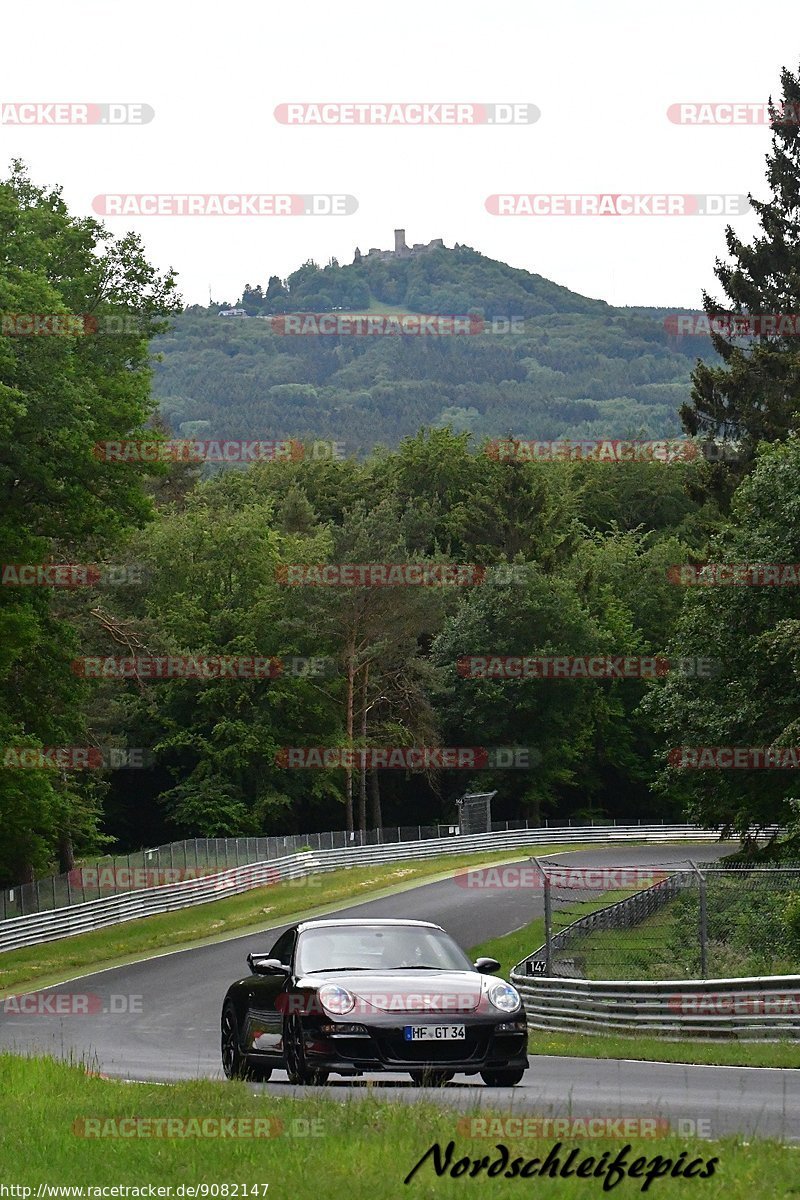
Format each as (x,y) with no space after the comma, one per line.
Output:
(401,250)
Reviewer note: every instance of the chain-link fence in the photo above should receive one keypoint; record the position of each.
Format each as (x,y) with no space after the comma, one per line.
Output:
(113,874)
(675,921)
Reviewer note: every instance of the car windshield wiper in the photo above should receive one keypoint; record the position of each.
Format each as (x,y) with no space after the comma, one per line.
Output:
(321,970)
(420,967)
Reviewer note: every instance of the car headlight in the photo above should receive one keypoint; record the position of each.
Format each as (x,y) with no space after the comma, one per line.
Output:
(505,997)
(336,999)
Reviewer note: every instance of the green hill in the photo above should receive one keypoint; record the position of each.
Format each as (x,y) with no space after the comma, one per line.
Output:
(571,367)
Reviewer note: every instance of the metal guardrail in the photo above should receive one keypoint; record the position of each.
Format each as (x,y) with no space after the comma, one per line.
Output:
(194,857)
(761,1008)
(36,928)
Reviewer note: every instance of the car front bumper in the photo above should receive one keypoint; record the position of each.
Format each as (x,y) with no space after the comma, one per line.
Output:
(488,1045)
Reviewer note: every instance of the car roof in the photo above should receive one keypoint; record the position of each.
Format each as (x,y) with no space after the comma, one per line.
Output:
(362,922)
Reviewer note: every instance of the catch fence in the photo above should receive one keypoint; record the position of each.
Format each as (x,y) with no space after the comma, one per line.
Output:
(677,920)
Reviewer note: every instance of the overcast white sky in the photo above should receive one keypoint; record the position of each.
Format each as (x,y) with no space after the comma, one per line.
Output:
(603,75)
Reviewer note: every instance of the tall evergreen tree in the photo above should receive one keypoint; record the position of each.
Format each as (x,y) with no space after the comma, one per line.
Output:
(754,395)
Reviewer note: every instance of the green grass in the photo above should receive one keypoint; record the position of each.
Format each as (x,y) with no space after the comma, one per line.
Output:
(324,1149)
(642,952)
(738,1054)
(260,908)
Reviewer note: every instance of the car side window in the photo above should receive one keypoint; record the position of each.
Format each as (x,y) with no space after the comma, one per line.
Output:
(284,947)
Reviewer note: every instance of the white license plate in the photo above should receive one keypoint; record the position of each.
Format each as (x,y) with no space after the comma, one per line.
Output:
(434,1033)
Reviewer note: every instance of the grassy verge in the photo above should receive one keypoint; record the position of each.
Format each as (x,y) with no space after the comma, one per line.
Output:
(318,1148)
(738,1054)
(513,947)
(261,908)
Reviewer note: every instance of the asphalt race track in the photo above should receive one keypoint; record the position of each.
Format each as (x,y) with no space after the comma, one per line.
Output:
(159,1020)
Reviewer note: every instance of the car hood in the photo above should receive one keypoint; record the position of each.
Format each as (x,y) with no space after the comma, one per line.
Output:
(439,992)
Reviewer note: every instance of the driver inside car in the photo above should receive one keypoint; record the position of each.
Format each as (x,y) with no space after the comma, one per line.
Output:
(408,953)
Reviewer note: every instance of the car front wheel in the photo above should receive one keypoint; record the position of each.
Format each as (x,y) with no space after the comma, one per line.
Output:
(297,1067)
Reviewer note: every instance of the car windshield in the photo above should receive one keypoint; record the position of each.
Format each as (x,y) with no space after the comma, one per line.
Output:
(378,948)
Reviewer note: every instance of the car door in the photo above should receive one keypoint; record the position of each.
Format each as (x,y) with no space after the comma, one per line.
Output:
(264,1030)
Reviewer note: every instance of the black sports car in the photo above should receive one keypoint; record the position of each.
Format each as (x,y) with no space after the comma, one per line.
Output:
(355,996)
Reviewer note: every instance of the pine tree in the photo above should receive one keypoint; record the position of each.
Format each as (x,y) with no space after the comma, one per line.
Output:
(754,395)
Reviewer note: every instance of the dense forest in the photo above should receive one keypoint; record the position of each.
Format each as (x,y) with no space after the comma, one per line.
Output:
(562,560)
(548,363)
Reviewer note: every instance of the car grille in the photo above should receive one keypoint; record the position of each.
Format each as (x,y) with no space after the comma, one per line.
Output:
(394,1048)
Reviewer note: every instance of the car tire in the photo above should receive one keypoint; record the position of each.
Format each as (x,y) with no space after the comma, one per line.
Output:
(232,1058)
(234,1063)
(431,1078)
(294,1055)
(503,1078)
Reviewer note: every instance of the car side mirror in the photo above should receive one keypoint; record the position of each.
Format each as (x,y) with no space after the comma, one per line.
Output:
(259,964)
(487,966)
